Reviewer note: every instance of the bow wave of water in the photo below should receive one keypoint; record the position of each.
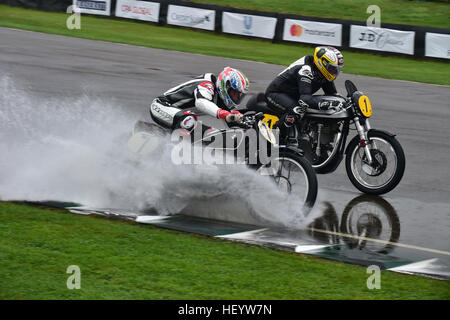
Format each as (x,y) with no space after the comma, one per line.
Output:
(75,150)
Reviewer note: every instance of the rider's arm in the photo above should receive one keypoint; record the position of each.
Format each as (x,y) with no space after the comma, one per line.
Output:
(304,80)
(204,95)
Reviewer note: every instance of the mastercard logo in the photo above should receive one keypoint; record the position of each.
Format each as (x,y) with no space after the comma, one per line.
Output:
(296,30)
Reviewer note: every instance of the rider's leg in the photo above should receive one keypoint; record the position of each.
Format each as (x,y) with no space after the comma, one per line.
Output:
(282,102)
(172,118)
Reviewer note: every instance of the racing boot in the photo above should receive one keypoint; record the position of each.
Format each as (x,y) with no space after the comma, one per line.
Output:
(288,131)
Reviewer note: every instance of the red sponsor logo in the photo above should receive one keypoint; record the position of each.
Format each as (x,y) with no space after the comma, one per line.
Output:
(290,119)
(136,10)
(296,30)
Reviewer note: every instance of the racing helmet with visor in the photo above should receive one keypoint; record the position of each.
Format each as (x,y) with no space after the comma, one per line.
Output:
(329,61)
(232,85)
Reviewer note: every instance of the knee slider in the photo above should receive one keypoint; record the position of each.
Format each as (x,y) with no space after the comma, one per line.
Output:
(186,120)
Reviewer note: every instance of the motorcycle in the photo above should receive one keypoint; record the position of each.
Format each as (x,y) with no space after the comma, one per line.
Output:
(375,161)
(289,169)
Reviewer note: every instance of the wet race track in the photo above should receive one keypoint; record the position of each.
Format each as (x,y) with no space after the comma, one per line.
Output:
(408,228)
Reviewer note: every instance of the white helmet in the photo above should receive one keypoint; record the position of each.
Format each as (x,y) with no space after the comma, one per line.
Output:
(232,86)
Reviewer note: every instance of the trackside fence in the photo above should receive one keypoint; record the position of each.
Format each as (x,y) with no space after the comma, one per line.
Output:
(390,39)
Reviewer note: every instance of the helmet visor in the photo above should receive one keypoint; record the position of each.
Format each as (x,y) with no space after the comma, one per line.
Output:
(235,95)
(333,70)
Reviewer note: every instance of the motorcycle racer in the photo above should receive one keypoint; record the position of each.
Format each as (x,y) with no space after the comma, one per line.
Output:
(291,92)
(214,96)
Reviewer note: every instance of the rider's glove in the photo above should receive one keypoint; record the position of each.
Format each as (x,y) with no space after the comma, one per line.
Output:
(301,108)
(234,117)
(297,113)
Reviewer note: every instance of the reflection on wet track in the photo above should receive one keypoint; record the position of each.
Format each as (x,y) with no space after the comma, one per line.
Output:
(366,217)
(366,230)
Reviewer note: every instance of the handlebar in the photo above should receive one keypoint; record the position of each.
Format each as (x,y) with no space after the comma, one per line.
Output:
(250,119)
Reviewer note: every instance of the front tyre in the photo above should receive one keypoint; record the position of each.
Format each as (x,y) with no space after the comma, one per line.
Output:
(294,174)
(387,168)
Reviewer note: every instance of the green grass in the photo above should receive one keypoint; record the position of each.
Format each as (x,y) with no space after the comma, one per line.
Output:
(419,13)
(188,40)
(123,260)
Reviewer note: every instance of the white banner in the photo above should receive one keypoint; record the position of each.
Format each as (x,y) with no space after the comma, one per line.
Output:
(139,10)
(101,7)
(437,45)
(191,17)
(249,25)
(313,32)
(382,39)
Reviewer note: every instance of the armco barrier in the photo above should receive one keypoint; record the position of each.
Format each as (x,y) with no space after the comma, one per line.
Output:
(391,39)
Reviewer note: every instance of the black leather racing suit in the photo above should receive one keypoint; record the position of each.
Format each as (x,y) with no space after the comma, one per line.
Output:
(295,86)
(298,82)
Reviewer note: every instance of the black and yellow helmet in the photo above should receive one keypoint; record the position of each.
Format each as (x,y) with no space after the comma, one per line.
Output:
(329,61)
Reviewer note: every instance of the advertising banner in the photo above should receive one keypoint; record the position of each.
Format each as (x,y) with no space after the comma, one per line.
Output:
(249,25)
(191,17)
(313,32)
(437,45)
(101,7)
(139,10)
(382,39)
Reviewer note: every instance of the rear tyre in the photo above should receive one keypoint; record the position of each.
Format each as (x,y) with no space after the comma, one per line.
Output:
(304,182)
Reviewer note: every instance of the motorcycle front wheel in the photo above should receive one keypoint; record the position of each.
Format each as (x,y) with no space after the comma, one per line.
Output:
(386,169)
(293,174)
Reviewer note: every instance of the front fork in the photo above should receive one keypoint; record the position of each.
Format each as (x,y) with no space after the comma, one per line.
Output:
(364,139)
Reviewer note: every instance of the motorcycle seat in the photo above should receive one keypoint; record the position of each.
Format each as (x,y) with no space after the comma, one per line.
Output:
(258,103)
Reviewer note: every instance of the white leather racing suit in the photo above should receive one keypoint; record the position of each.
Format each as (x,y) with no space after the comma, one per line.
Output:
(170,109)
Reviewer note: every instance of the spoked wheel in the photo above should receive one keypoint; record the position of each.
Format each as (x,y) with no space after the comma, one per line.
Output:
(293,174)
(370,217)
(386,169)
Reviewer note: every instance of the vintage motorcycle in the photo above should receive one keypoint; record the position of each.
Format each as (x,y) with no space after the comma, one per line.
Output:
(288,168)
(375,161)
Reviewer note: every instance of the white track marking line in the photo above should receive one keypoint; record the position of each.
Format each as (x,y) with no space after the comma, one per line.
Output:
(239,234)
(425,267)
(415,265)
(150,219)
(306,248)
(86,213)
(381,241)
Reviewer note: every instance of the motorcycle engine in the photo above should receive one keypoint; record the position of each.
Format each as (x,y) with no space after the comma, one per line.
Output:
(325,137)
(327,132)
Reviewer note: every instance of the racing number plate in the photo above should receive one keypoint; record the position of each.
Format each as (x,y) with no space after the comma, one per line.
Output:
(365,106)
(270,120)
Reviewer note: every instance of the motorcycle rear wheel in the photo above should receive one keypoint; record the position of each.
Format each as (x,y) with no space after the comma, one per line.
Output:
(296,162)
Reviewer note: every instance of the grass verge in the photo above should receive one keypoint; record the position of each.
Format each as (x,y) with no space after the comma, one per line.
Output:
(418,13)
(123,260)
(187,40)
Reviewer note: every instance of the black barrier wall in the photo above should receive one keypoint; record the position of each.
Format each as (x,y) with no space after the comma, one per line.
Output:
(47,5)
(391,39)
